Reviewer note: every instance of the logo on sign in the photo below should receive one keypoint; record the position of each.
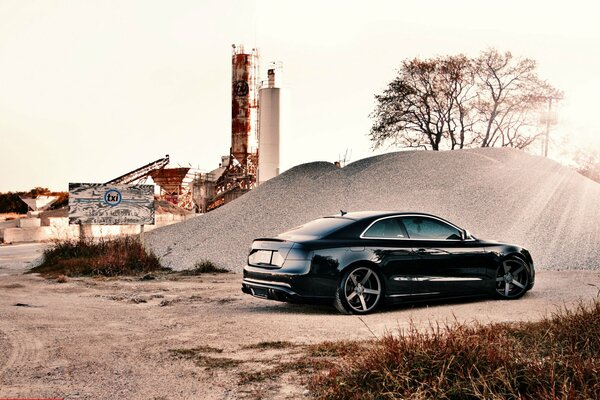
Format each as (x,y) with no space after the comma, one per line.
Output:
(112,197)
(240,88)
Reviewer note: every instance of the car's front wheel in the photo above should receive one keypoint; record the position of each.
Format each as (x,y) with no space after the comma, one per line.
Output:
(359,291)
(512,279)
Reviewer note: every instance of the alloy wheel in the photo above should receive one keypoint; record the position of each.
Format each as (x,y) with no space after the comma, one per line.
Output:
(512,279)
(362,290)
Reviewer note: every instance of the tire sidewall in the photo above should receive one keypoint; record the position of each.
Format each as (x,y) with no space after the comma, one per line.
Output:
(341,303)
(523,264)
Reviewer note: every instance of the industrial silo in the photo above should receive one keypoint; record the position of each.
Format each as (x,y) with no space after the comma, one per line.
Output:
(244,105)
(269,125)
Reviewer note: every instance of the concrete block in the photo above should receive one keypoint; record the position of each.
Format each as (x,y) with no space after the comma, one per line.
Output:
(40,234)
(5,225)
(9,224)
(110,231)
(59,222)
(29,222)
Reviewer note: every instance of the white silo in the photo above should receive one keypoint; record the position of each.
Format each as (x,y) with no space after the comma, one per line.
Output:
(269,125)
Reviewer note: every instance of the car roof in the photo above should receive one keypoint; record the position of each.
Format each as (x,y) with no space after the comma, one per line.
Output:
(360,215)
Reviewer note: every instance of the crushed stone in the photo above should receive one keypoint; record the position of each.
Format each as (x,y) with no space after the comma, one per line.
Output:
(496,193)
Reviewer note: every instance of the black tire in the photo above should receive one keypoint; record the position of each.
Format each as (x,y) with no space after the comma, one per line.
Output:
(512,279)
(359,291)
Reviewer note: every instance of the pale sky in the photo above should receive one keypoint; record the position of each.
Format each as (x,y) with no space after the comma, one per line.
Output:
(92,89)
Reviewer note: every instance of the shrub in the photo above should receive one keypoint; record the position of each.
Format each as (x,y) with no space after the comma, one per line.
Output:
(556,358)
(204,267)
(85,257)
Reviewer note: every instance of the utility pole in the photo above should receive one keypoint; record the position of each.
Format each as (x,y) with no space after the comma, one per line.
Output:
(548,127)
(550,120)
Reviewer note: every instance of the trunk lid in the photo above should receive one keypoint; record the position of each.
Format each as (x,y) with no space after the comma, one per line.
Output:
(269,252)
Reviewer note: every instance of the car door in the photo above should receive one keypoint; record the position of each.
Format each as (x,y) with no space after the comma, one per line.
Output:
(446,263)
(387,242)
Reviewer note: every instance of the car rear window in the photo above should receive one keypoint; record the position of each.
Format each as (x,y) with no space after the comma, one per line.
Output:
(318,228)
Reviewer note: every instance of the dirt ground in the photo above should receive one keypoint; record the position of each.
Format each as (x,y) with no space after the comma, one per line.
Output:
(127,338)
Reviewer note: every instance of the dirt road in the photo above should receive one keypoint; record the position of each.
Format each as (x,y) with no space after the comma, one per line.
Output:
(109,339)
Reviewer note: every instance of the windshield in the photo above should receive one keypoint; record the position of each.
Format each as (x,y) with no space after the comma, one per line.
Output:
(316,229)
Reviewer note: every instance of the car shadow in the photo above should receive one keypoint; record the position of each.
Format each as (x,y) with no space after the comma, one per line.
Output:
(271,307)
(417,305)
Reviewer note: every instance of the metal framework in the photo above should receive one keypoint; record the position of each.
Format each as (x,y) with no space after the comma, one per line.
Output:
(140,173)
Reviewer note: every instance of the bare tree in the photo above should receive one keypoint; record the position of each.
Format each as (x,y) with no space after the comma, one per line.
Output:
(456,73)
(587,161)
(510,99)
(424,104)
(456,102)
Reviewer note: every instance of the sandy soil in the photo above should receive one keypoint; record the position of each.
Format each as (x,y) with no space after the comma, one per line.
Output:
(109,339)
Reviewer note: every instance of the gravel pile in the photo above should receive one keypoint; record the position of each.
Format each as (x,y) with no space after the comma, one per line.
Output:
(499,194)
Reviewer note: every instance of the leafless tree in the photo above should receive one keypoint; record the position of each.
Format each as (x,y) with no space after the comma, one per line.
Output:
(455,102)
(588,162)
(424,104)
(510,99)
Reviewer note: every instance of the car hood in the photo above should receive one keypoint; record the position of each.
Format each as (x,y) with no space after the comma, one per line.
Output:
(493,243)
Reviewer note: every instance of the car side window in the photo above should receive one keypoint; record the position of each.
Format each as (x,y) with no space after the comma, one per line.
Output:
(388,228)
(430,229)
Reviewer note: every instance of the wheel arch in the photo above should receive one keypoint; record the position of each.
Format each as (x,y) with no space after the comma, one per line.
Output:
(528,261)
(366,263)
(521,257)
(515,254)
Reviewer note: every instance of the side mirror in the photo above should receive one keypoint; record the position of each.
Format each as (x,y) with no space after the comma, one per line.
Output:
(466,235)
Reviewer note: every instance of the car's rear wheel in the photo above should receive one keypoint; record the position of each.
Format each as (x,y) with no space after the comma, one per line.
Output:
(512,279)
(359,291)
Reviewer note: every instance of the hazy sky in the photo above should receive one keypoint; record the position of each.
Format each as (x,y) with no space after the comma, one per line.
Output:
(92,89)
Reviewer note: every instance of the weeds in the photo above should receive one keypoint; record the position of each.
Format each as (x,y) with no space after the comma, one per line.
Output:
(556,358)
(12,286)
(279,344)
(199,357)
(333,349)
(85,257)
(302,366)
(204,267)
(190,353)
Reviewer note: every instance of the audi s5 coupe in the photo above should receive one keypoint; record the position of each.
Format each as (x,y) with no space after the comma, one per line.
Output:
(360,261)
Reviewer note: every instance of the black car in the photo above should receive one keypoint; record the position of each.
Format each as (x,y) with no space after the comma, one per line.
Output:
(361,260)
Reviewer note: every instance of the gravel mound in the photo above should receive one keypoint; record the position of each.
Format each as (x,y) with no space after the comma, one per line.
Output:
(500,194)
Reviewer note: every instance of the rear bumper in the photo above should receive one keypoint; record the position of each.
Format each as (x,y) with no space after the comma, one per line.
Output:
(270,290)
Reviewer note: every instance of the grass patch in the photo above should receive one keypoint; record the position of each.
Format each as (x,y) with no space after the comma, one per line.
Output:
(199,357)
(556,358)
(190,353)
(12,286)
(279,344)
(302,366)
(85,257)
(334,349)
(204,267)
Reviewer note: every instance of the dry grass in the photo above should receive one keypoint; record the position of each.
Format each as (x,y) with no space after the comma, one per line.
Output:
(189,353)
(204,267)
(199,357)
(556,358)
(85,257)
(302,367)
(12,286)
(279,344)
(334,349)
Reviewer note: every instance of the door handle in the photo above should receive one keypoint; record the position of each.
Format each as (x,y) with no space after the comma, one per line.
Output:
(432,252)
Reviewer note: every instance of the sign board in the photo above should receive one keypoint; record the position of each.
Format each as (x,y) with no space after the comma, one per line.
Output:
(102,204)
